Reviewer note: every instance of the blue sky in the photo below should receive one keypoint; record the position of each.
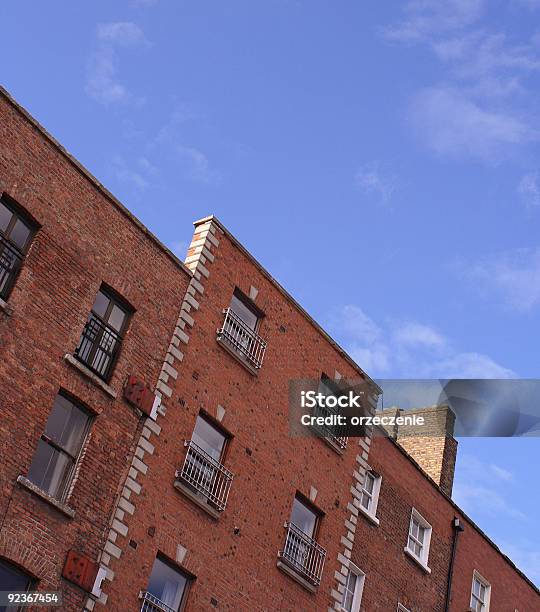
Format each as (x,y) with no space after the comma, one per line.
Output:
(379,158)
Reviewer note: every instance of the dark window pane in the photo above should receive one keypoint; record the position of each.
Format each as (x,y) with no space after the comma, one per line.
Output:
(101,304)
(304,518)
(66,425)
(116,318)
(167,584)
(19,233)
(242,311)
(13,579)
(5,217)
(210,439)
(49,469)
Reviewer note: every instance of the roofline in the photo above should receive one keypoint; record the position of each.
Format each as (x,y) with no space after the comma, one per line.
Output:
(290,298)
(95,182)
(458,509)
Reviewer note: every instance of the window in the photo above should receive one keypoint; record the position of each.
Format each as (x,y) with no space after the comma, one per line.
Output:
(331,434)
(15,236)
(352,596)
(370,494)
(244,310)
(301,552)
(102,335)
(239,330)
(480,593)
(167,588)
(419,538)
(59,447)
(203,471)
(13,579)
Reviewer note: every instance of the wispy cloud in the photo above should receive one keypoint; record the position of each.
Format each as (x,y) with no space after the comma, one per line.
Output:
(138,176)
(514,275)
(423,18)
(408,349)
(481,107)
(529,189)
(102,81)
(195,165)
(478,488)
(372,181)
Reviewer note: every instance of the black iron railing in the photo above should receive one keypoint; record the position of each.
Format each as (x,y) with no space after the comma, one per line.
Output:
(329,432)
(246,342)
(303,554)
(98,347)
(206,475)
(10,262)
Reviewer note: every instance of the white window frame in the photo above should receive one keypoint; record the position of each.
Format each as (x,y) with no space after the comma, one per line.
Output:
(402,608)
(422,560)
(477,576)
(371,513)
(358,589)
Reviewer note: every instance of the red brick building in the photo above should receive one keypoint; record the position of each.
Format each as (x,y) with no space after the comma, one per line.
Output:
(208,502)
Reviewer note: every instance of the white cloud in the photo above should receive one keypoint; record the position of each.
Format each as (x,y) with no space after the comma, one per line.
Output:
(102,82)
(467,365)
(475,498)
(481,107)
(529,189)
(372,181)
(195,164)
(416,334)
(515,275)
(501,473)
(408,349)
(137,176)
(425,17)
(452,124)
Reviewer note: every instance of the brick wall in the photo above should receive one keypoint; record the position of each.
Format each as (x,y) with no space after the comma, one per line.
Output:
(86,238)
(234,558)
(392,576)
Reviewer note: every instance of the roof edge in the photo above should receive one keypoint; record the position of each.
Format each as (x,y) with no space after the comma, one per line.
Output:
(458,509)
(90,177)
(290,298)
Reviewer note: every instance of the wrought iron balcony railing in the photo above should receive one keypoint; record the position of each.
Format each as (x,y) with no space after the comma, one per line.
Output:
(150,603)
(244,340)
(98,347)
(330,433)
(206,475)
(303,554)
(10,263)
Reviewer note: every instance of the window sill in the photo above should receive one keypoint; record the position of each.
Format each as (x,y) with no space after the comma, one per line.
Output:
(30,486)
(286,569)
(253,371)
(198,499)
(418,561)
(6,308)
(368,515)
(87,373)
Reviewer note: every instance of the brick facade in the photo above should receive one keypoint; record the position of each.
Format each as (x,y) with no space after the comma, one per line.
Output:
(126,503)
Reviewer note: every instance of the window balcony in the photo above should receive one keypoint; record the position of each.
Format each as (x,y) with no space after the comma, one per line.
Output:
(150,603)
(98,347)
(329,434)
(303,555)
(10,262)
(241,340)
(205,476)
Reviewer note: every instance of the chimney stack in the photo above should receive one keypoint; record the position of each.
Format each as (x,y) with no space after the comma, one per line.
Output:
(432,446)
